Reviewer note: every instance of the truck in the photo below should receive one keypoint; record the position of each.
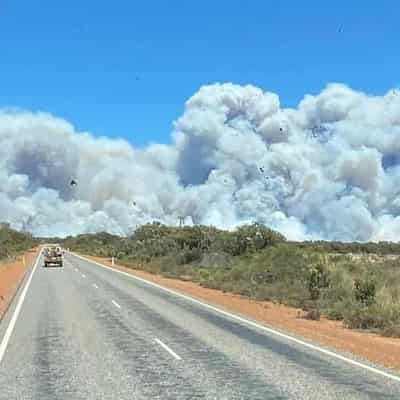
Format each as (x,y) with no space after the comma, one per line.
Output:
(53,256)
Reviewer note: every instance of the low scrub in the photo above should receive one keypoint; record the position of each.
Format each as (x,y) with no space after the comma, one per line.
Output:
(13,242)
(321,278)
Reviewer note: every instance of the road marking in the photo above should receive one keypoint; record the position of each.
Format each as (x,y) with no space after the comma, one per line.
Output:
(251,323)
(76,269)
(94,285)
(170,351)
(115,303)
(83,276)
(11,325)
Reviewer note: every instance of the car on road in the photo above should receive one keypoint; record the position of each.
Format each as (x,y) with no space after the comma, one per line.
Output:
(53,256)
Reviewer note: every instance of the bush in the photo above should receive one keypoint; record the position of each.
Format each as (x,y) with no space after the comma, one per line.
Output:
(383,314)
(314,315)
(188,255)
(262,294)
(392,331)
(364,291)
(336,311)
(360,317)
(318,279)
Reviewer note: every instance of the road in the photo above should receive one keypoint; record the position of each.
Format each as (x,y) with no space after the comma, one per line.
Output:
(87,332)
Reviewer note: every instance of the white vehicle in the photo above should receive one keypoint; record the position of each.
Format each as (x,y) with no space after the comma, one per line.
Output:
(53,256)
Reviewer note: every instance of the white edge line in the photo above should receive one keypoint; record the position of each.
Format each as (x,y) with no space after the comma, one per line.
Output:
(11,325)
(170,351)
(251,323)
(115,303)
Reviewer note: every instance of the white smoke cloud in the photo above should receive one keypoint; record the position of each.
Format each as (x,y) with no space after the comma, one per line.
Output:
(329,169)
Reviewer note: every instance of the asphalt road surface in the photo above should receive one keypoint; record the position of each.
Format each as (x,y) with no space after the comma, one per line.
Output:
(86,332)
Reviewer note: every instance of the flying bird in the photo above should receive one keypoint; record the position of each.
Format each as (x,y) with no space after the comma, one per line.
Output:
(282,130)
(316,130)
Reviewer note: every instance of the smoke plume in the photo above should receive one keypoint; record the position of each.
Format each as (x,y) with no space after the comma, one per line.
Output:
(329,169)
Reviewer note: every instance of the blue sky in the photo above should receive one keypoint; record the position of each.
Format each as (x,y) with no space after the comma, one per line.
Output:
(125,68)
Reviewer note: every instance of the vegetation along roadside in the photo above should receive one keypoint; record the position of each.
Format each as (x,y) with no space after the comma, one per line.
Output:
(358,283)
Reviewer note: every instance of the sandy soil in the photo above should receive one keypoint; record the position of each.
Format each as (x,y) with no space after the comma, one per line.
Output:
(380,350)
(11,275)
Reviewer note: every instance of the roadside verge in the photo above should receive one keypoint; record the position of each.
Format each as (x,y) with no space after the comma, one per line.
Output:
(11,277)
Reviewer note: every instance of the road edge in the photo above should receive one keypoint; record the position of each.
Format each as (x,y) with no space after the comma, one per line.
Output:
(15,294)
(10,328)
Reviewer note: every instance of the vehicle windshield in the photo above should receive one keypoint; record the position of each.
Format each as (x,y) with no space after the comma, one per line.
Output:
(199,200)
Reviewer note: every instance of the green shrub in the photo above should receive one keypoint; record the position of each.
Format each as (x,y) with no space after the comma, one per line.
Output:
(359,316)
(202,275)
(335,312)
(392,331)
(364,291)
(188,255)
(262,294)
(381,315)
(318,279)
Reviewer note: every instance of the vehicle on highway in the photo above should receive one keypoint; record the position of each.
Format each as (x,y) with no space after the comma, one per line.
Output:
(53,256)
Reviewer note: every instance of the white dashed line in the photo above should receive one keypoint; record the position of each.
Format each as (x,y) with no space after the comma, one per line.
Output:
(165,347)
(83,276)
(115,303)
(95,286)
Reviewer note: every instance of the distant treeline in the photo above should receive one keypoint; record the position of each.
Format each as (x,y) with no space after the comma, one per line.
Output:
(380,248)
(157,240)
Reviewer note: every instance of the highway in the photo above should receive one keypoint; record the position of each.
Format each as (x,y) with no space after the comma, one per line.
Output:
(87,332)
